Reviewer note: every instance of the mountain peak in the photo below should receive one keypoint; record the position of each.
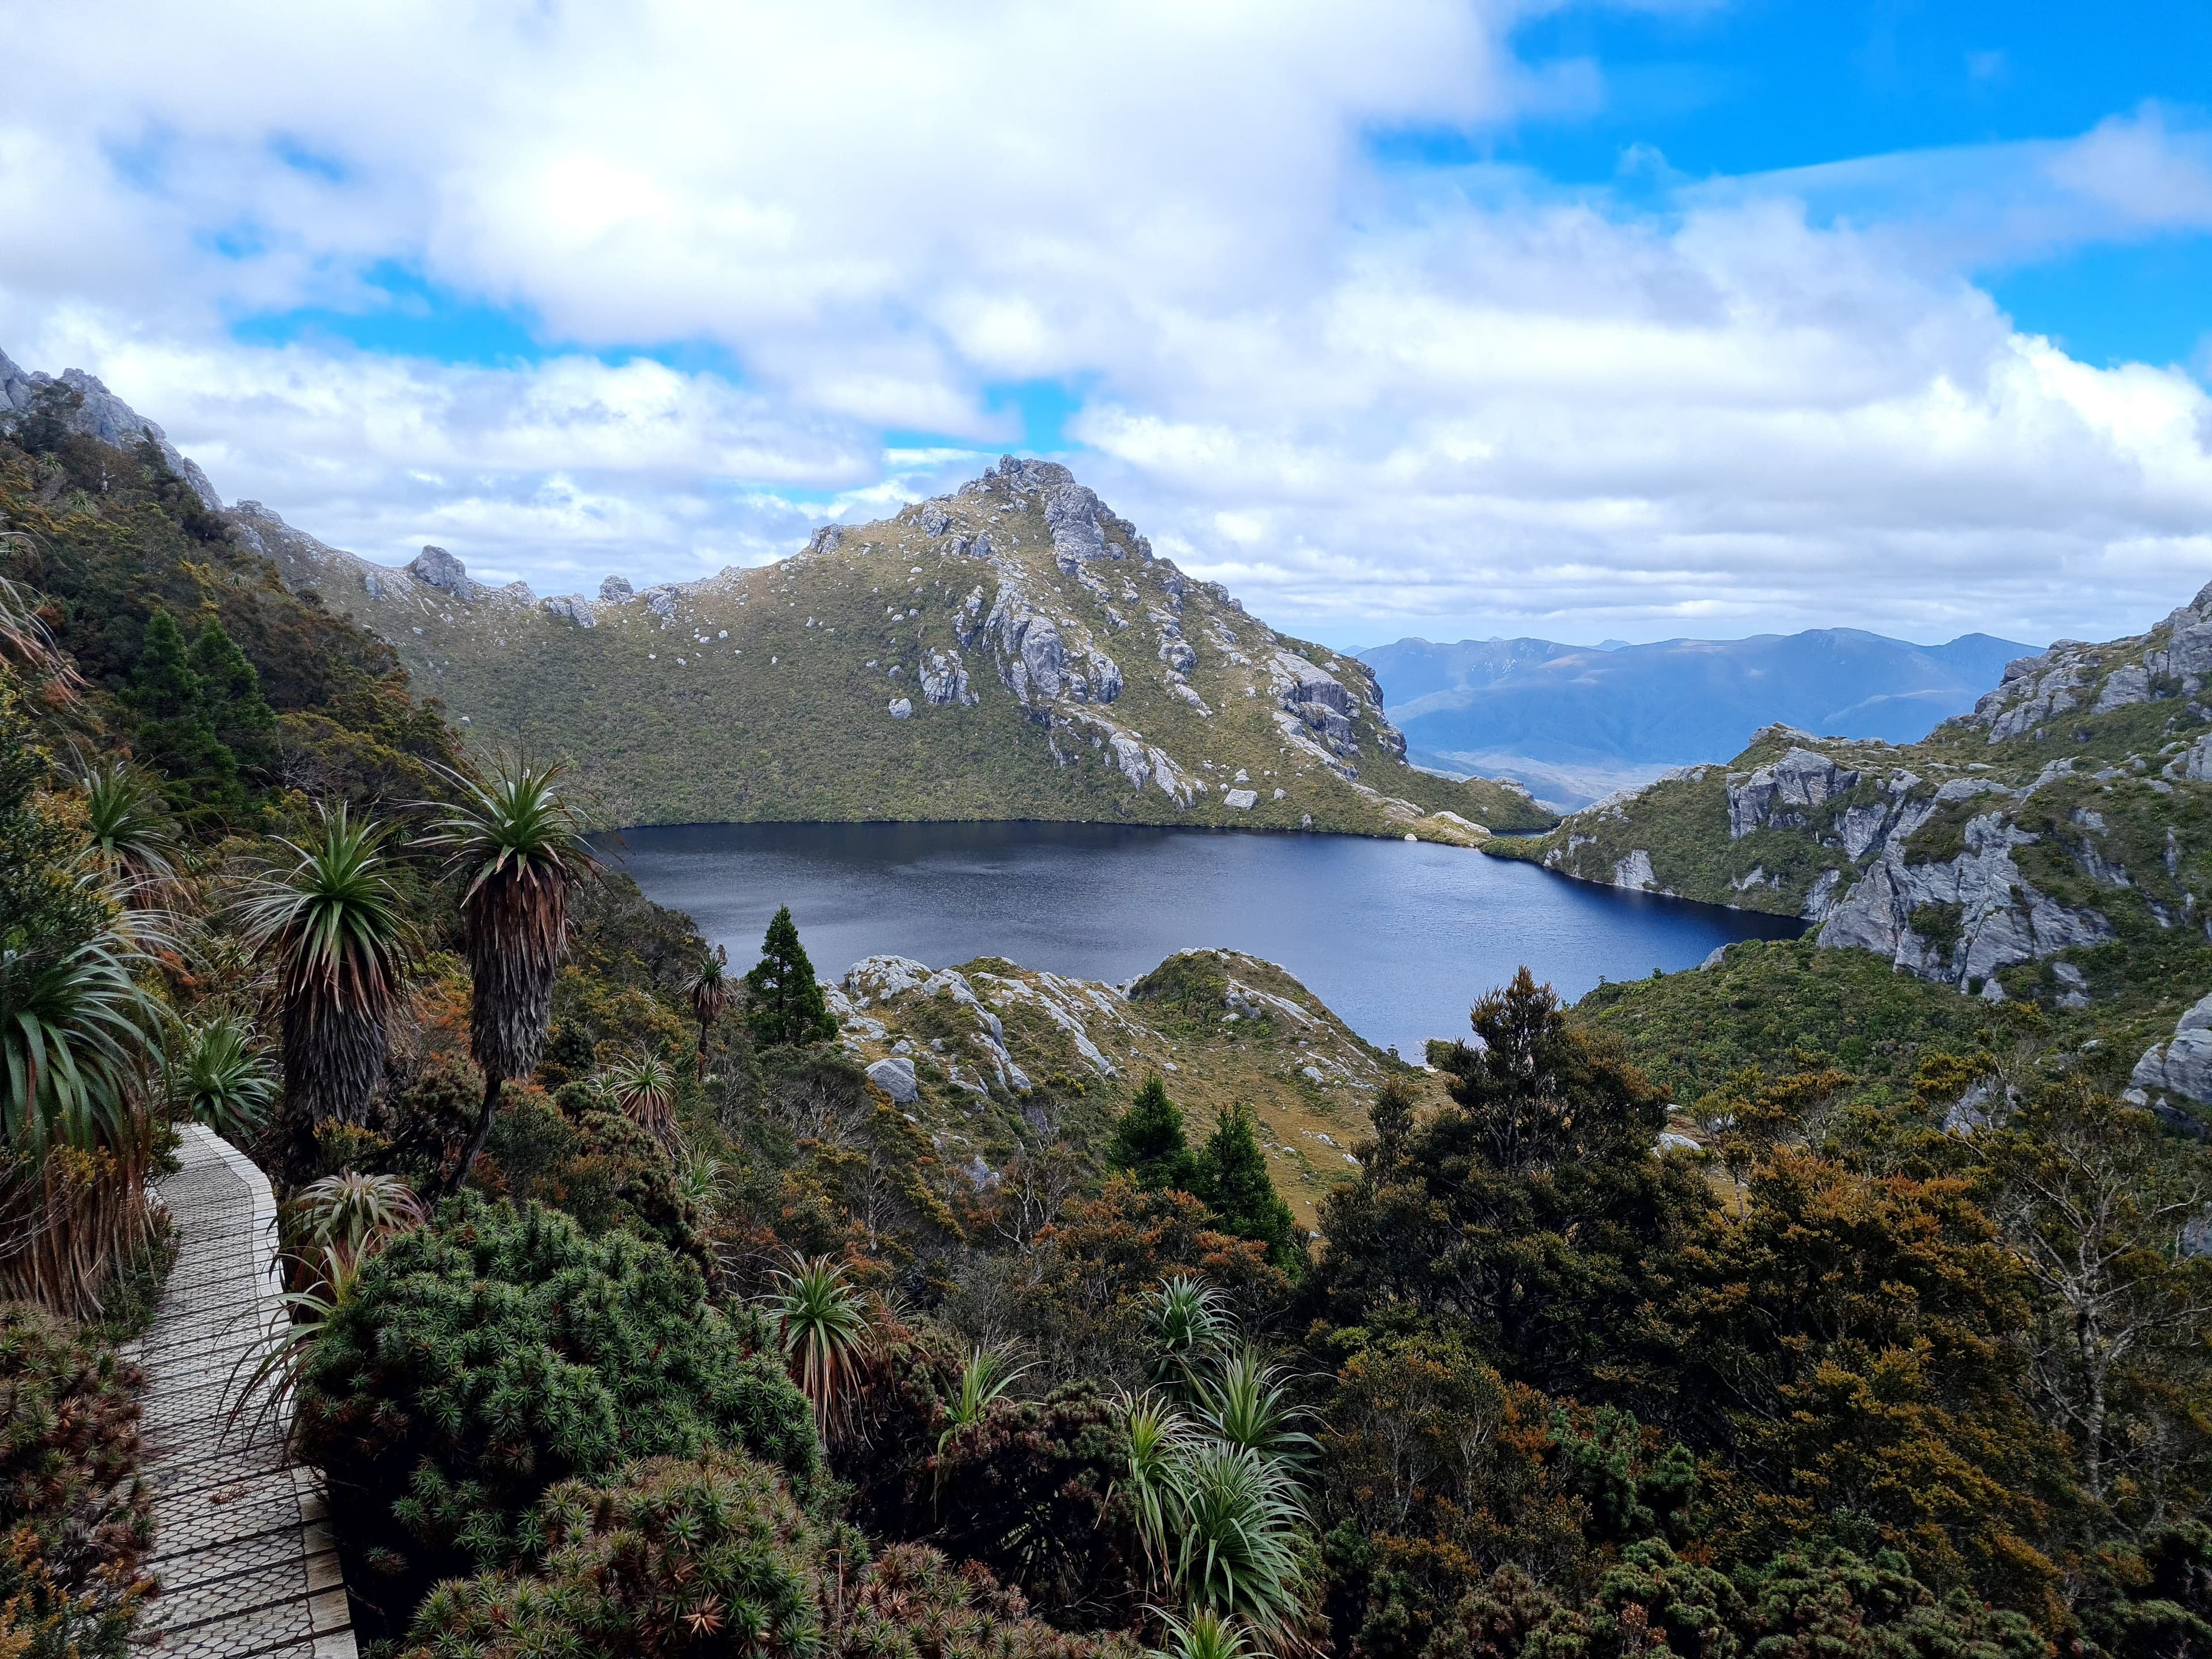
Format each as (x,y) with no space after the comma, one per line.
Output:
(86,407)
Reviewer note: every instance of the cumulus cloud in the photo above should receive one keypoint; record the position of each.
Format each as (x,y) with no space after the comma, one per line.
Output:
(1371,399)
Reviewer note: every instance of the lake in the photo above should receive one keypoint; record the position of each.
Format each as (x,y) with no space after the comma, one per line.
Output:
(1398,938)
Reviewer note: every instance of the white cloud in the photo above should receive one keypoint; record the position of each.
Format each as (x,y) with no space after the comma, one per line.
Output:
(1371,401)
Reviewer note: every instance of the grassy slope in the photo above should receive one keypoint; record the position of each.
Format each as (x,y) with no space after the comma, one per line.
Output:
(1172,1022)
(785,720)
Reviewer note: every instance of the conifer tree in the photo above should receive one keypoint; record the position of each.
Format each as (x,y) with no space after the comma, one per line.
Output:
(230,693)
(787,1006)
(1149,1142)
(175,734)
(1230,1174)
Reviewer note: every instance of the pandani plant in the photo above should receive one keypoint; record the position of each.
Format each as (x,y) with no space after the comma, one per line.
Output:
(81,1038)
(347,1218)
(642,1087)
(823,1319)
(127,829)
(325,915)
(710,992)
(985,1377)
(514,844)
(219,1075)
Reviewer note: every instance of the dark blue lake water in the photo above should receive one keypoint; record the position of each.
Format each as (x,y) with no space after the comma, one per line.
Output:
(1399,938)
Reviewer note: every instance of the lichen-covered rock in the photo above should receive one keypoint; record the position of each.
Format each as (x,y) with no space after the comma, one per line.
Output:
(901,709)
(895,1077)
(434,567)
(944,679)
(2001,919)
(2180,1067)
(88,409)
(1778,796)
(617,590)
(571,607)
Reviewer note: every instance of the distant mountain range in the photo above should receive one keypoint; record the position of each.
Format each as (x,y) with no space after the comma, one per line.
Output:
(1574,723)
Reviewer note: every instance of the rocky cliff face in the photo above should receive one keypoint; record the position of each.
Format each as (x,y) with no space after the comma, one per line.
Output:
(2020,850)
(84,407)
(1012,649)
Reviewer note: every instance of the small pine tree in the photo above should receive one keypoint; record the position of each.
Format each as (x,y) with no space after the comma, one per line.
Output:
(175,735)
(1149,1142)
(786,1006)
(163,686)
(230,692)
(1231,1177)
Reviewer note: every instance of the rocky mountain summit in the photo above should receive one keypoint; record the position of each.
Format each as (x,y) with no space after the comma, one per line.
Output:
(82,405)
(1012,649)
(2053,846)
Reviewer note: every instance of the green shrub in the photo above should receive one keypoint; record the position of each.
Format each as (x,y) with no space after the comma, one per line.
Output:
(680,1557)
(601,1168)
(75,1517)
(912,1603)
(498,1352)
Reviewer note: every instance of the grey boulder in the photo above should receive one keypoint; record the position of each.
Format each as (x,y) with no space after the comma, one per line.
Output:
(895,1077)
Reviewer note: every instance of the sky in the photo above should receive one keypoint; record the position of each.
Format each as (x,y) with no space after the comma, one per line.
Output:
(1584,320)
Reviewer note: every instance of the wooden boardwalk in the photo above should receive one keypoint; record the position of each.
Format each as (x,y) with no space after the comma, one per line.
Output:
(242,1542)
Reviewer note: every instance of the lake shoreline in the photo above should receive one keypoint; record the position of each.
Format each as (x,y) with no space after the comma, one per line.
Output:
(1398,938)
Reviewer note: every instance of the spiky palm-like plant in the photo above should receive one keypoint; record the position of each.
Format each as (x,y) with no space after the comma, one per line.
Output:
(1237,1553)
(643,1087)
(80,1037)
(221,1077)
(825,1326)
(514,843)
(1246,1401)
(354,1214)
(709,991)
(127,825)
(1204,1635)
(699,1181)
(1159,1436)
(25,639)
(328,920)
(984,1377)
(1189,1323)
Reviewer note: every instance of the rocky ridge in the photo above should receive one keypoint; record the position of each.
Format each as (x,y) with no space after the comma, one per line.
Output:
(987,1058)
(2054,845)
(1012,649)
(83,405)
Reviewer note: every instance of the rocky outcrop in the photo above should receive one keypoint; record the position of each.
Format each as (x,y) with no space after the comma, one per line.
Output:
(86,407)
(1781,795)
(2181,1068)
(434,567)
(1997,918)
(617,590)
(570,607)
(944,679)
(1316,697)
(1634,872)
(2172,660)
(894,1075)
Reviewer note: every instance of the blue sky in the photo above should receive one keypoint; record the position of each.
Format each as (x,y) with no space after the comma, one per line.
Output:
(1585,319)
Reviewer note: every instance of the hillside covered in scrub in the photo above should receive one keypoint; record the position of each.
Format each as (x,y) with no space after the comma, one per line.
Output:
(1013,650)
(648,1304)
(2052,847)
